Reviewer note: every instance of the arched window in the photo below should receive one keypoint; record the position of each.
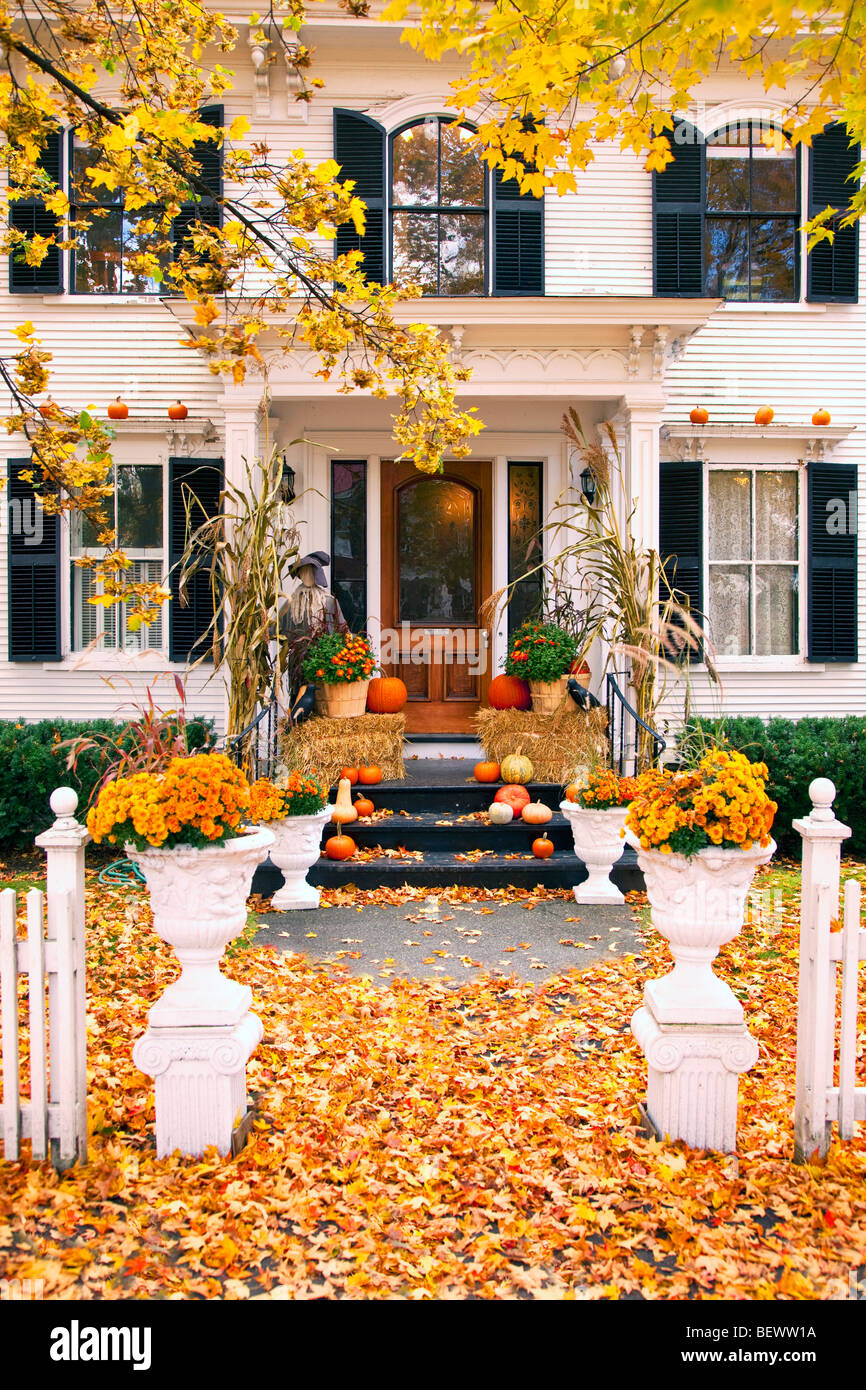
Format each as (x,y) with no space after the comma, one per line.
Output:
(439,202)
(751,216)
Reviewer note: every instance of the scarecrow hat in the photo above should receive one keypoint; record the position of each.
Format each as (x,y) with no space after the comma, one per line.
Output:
(316,558)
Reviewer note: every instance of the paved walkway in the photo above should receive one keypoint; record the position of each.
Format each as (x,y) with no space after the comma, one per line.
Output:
(436,939)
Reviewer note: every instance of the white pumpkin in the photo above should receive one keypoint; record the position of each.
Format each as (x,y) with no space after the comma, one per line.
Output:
(500,813)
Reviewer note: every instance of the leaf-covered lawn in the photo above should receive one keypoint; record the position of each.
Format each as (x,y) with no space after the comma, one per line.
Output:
(423,1140)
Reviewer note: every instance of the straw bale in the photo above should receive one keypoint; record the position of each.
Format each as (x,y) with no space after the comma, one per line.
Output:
(556,744)
(322,746)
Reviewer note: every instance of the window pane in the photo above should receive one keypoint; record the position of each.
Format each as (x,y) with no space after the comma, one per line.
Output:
(137,241)
(726,243)
(730,522)
(436,552)
(462,170)
(416,249)
(139,507)
(83,157)
(145,638)
(349,540)
(776,515)
(774,180)
(524,540)
(776,602)
(774,256)
(461,248)
(416,164)
(727,180)
(97,255)
(730,601)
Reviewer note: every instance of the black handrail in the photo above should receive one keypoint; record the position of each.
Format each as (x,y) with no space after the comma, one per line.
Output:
(618,711)
(236,746)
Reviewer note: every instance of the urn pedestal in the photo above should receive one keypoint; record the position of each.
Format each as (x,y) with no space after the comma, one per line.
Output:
(599,843)
(297,840)
(691,1026)
(201,1033)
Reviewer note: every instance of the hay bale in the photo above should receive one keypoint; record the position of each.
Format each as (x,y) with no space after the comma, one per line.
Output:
(554,743)
(322,746)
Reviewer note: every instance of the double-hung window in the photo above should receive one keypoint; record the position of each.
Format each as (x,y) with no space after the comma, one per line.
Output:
(752,217)
(438,208)
(753,558)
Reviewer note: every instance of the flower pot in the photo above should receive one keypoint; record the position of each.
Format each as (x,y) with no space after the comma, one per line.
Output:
(698,905)
(297,840)
(199,898)
(547,696)
(598,842)
(342,700)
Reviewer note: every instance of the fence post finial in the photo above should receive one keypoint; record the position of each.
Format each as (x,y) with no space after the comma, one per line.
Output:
(821,794)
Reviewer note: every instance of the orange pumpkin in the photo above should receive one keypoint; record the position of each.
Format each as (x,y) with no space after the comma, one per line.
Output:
(509,692)
(178,411)
(350,773)
(582,670)
(369,776)
(118,410)
(536,813)
(340,847)
(821,417)
(542,849)
(571,791)
(764,414)
(699,415)
(364,806)
(514,796)
(486,772)
(386,695)
(50,410)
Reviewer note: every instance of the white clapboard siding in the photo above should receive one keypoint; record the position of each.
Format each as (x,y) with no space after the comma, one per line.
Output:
(599,240)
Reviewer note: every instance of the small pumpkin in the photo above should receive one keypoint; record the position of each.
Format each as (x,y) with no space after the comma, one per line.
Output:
(364,806)
(386,695)
(543,848)
(571,791)
(699,415)
(343,810)
(764,414)
(516,768)
(350,774)
(821,417)
(118,410)
(340,847)
(513,796)
(50,410)
(178,411)
(536,813)
(500,812)
(509,692)
(486,772)
(368,776)
(582,669)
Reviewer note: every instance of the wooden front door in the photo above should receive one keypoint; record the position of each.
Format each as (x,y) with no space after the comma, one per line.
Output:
(437,570)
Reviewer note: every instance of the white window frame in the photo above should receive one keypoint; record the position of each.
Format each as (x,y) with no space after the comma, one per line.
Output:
(747,661)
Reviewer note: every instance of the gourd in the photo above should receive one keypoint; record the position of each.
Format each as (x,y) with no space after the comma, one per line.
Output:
(516,768)
(118,410)
(386,695)
(486,772)
(513,796)
(500,812)
(351,773)
(340,847)
(536,813)
(699,415)
(364,806)
(542,849)
(178,411)
(343,808)
(764,414)
(509,692)
(369,776)
(821,417)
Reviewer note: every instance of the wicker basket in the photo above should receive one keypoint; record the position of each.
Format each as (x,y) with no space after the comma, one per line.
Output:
(547,696)
(342,700)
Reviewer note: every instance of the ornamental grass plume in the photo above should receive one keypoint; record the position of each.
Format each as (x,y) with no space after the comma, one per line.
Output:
(197,801)
(723,802)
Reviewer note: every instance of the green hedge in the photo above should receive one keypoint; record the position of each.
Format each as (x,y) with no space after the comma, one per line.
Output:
(796,751)
(32,764)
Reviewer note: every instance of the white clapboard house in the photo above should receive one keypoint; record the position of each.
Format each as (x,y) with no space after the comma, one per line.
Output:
(633,300)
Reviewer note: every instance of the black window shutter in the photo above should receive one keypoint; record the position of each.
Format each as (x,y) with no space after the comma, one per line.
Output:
(208,156)
(518,239)
(196,484)
(31,216)
(681,537)
(34,573)
(832,534)
(833,267)
(359,149)
(678,214)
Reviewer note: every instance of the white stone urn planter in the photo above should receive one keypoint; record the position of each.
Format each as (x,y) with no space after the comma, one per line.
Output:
(297,840)
(599,843)
(200,1033)
(698,905)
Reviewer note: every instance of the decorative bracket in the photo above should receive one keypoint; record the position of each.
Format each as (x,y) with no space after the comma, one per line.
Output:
(295,110)
(260,58)
(660,338)
(636,335)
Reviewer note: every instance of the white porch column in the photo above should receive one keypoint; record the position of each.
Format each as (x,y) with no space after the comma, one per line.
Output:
(242,409)
(642,420)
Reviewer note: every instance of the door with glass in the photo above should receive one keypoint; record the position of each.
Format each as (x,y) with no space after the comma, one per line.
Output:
(436,574)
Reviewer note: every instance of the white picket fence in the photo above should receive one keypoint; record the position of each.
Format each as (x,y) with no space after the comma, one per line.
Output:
(54,1117)
(829,979)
